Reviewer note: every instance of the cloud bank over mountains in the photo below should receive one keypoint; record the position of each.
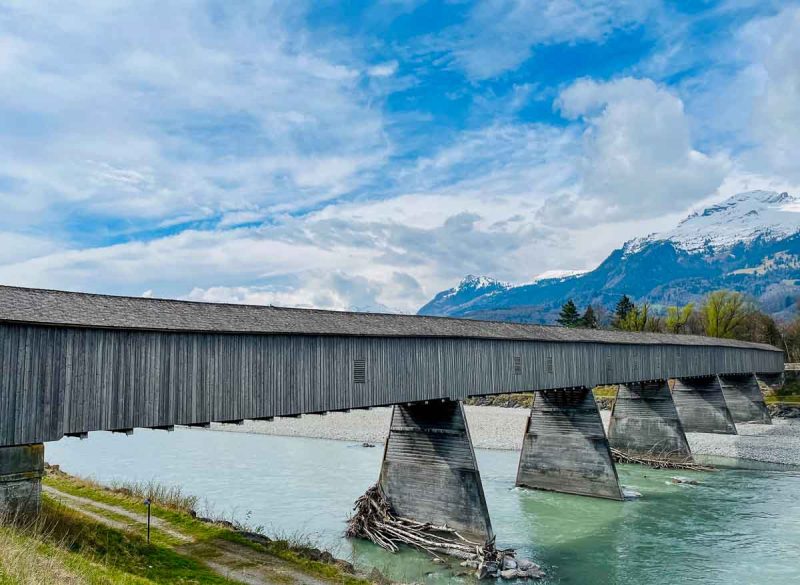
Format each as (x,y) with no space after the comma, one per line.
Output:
(289,154)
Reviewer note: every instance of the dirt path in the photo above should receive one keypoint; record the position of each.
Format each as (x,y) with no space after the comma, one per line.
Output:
(246,565)
(81,504)
(228,559)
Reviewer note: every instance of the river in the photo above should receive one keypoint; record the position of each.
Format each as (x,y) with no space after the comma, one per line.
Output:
(736,527)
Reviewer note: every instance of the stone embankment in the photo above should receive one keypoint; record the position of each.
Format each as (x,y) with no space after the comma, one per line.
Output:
(494,427)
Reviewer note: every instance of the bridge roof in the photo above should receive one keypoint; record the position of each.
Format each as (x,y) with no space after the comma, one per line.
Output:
(71,309)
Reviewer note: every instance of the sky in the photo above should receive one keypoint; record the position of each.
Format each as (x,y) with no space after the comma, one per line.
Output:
(366,155)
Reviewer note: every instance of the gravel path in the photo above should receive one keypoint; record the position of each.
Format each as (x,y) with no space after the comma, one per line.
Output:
(494,427)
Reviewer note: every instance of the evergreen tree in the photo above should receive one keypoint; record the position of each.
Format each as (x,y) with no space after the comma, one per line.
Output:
(624,306)
(569,316)
(589,319)
(640,319)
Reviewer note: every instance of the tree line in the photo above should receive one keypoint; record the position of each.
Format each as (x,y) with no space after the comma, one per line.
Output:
(723,313)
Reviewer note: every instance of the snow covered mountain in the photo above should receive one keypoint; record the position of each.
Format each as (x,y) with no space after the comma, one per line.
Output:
(741,219)
(750,243)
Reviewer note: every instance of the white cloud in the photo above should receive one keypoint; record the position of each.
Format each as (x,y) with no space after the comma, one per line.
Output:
(16,247)
(638,158)
(383,69)
(388,254)
(153,110)
(499,35)
(774,44)
(244,118)
(333,290)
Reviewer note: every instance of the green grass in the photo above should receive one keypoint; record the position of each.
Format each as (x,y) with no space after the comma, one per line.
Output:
(788,394)
(519,400)
(123,551)
(294,554)
(65,547)
(179,519)
(166,496)
(605,391)
(782,399)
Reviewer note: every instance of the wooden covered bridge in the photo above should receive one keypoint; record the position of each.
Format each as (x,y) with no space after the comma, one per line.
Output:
(73,363)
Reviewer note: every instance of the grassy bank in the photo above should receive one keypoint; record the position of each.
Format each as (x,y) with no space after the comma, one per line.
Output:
(64,546)
(98,542)
(789,394)
(525,399)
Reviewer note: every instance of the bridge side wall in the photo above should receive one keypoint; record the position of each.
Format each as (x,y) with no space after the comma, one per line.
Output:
(68,380)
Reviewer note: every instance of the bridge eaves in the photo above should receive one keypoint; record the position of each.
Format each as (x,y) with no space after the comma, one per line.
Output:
(85,310)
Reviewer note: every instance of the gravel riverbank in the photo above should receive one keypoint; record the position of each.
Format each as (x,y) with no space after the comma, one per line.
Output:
(493,427)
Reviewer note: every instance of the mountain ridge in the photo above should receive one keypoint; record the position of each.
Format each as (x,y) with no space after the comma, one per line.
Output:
(750,243)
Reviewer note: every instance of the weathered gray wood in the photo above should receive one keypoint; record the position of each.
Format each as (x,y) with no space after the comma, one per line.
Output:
(701,406)
(74,363)
(644,421)
(429,472)
(58,380)
(565,447)
(744,399)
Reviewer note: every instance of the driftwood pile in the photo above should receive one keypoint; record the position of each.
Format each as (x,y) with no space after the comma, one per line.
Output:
(373,519)
(659,461)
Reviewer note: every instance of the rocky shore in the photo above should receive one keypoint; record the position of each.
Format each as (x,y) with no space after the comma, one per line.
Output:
(494,427)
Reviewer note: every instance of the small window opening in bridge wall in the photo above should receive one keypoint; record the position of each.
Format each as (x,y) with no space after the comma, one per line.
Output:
(548,364)
(517,365)
(359,371)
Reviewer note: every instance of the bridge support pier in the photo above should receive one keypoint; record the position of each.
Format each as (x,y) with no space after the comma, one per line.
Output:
(565,447)
(429,472)
(21,471)
(644,422)
(744,399)
(701,406)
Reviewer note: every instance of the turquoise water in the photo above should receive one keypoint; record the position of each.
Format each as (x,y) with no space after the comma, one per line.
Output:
(737,527)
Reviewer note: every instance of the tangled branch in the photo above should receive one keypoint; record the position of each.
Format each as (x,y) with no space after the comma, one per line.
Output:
(659,460)
(374,520)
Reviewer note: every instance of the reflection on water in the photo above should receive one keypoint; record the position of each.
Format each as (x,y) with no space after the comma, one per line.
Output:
(737,527)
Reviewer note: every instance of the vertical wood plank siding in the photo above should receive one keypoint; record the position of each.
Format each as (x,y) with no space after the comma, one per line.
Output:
(58,380)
